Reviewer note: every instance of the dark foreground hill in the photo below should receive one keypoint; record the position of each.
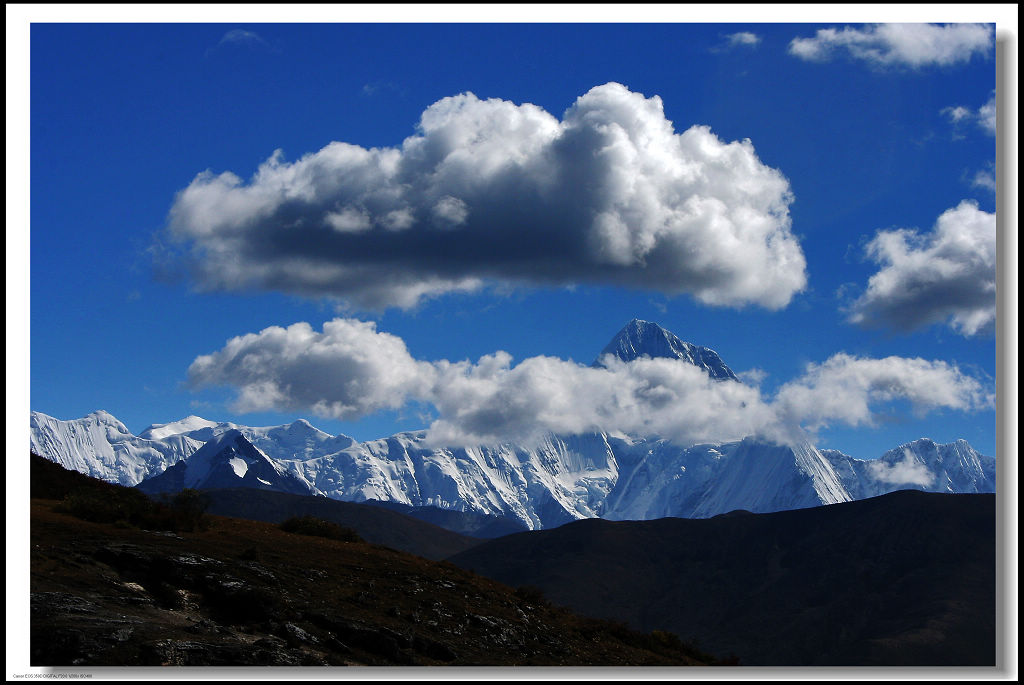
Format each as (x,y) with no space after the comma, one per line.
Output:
(907,578)
(374,524)
(470,523)
(223,591)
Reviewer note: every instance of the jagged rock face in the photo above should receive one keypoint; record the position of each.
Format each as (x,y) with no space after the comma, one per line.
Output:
(643,338)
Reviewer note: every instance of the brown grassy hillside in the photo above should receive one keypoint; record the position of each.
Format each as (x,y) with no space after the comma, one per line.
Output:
(235,592)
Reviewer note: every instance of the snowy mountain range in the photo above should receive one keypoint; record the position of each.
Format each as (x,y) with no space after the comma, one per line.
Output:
(561,479)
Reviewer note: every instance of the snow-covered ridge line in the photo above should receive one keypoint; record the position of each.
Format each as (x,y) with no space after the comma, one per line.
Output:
(563,478)
(100,446)
(158,431)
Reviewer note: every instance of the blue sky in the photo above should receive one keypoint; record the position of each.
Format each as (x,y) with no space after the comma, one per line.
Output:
(854,135)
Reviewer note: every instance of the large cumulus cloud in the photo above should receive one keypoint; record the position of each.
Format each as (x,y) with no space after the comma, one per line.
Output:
(346,371)
(351,369)
(909,45)
(946,275)
(488,191)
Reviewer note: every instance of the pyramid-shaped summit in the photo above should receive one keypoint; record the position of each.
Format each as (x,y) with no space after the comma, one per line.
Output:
(641,338)
(228,460)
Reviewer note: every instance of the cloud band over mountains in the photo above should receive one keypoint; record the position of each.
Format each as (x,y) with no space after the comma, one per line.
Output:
(490,192)
(350,370)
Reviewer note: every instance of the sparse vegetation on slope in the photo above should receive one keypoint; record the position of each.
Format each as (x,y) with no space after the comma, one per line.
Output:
(374,524)
(248,593)
(93,500)
(311,525)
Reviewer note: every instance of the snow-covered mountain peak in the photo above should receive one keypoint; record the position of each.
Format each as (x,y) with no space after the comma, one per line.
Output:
(99,445)
(229,450)
(108,420)
(297,440)
(301,428)
(159,431)
(226,460)
(641,338)
(232,439)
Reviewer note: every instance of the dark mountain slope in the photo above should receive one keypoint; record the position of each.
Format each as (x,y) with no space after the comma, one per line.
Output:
(374,524)
(246,593)
(469,523)
(902,579)
(49,480)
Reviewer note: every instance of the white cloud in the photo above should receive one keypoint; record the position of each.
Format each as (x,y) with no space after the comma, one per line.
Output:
(490,192)
(744,38)
(351,370)
(241,36)
(911,45)
(947,275)
(349,220)
(753,376)
(494,401)
(957,114)
(238,38)
(987,115)
(347,371)
(450,212)
(984,117)
(844,389)
(909,471)
(985,178)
